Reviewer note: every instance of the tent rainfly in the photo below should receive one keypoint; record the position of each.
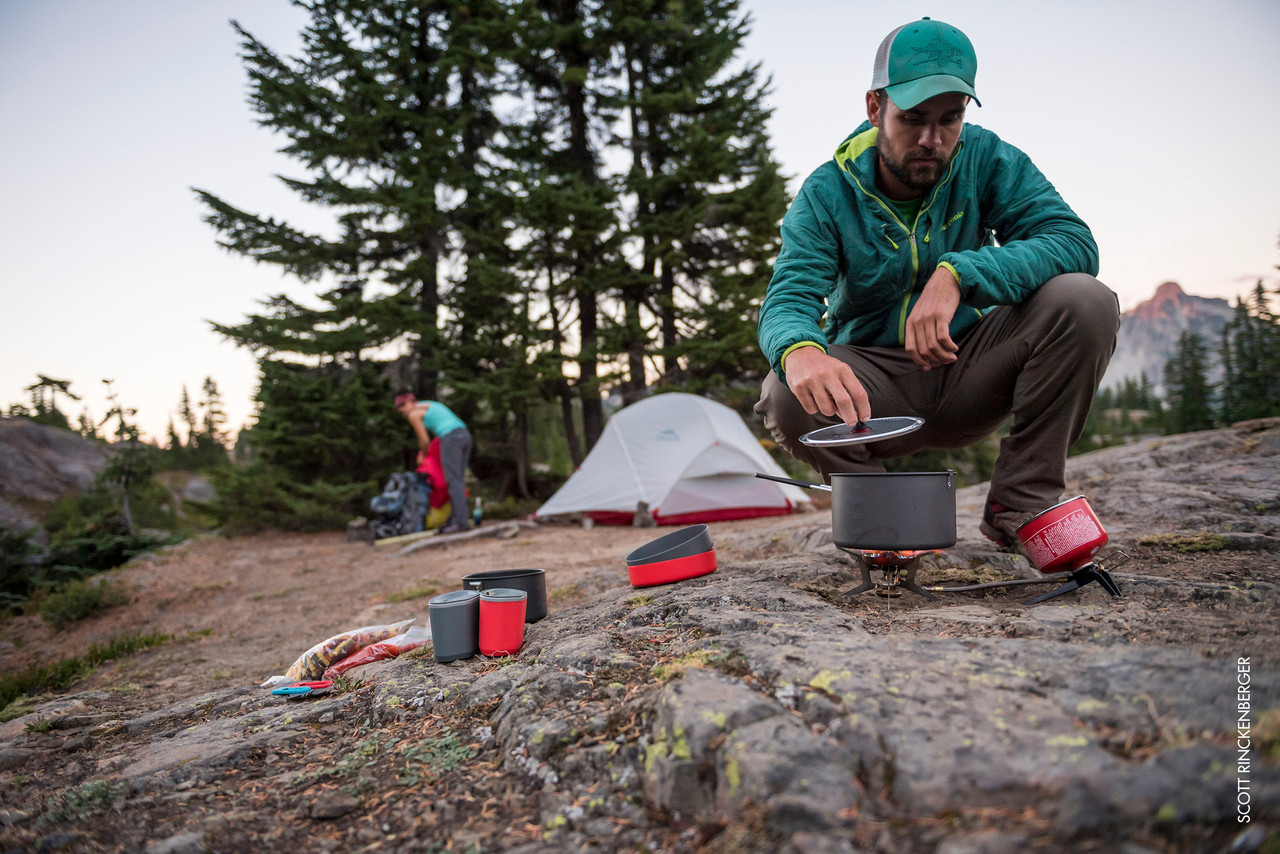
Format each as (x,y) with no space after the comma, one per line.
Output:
(687,458)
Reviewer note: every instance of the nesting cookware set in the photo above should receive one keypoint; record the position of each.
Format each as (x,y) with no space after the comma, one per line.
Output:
(488,616)
(887,520)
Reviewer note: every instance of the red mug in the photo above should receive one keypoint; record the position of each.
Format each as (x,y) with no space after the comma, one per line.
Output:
(1063,538)
(502,620)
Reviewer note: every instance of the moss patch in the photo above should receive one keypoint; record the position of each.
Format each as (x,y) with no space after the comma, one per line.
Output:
(1188,544)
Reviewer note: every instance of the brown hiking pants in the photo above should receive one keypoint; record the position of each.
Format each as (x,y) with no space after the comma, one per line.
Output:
(1040,362)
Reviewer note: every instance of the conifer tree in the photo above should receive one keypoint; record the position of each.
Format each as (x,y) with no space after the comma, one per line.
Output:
(1190,397)
(214,417)
(488,334)
(1250,354)
(173,443)
(208,444)
(707,191)
(533,199)
(188,414)
(44,401)
(86,426)
(325,426)
(133,464)
(372,111)
(567,72)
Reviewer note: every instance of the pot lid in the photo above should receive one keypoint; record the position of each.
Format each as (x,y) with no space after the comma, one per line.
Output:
(871,430)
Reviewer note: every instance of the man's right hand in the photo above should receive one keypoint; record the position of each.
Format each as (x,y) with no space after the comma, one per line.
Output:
(824,384)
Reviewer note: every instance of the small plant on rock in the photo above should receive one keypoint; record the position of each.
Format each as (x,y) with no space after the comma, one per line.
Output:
(80,802)
(40,724)
(344,684)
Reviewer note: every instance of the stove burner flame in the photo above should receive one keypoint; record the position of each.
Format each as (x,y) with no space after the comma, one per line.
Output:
(898,569)
(884,556)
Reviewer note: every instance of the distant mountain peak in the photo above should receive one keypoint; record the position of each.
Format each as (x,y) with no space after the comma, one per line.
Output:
(1150,330)
(1170,300)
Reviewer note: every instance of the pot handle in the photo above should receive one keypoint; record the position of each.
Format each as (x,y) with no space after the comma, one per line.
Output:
(802,483)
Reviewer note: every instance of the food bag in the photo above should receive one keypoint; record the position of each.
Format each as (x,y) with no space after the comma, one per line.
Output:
(415,637)
(312,663)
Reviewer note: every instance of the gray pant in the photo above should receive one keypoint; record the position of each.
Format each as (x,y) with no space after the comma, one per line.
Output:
(455,452)
(1040,362)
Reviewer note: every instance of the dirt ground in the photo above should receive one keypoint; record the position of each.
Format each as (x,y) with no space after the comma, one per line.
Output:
(241,610)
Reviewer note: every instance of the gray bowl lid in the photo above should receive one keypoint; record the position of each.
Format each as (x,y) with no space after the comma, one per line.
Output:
(503,594)
(453,598)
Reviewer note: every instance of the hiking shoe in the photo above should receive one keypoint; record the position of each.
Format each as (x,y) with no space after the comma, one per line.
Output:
(1000,525)
(452,529)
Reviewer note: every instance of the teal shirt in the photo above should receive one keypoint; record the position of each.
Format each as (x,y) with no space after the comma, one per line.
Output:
(439,419)
(850,268)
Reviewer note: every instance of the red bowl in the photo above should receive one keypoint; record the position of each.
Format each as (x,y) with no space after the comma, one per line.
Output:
(1063,538)
(685,542)
(676,569)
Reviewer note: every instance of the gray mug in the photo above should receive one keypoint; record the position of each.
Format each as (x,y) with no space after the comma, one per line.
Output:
(455,624)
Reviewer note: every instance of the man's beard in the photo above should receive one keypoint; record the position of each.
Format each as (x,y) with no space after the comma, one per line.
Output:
(915,176)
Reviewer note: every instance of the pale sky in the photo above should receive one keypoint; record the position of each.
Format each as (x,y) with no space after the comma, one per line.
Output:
(1156,122)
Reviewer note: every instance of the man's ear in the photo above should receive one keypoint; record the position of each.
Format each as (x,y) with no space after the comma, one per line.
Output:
(873,108)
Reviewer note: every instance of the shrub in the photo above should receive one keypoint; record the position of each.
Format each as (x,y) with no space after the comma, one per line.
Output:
(26,570)
(77,599)
(50,677)
(90,553)
(259,497)
(20,561)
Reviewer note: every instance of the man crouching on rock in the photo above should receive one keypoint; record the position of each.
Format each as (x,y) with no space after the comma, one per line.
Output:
(956,285)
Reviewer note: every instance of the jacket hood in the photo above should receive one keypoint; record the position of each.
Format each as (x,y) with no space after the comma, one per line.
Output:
(856,159)
(853,154)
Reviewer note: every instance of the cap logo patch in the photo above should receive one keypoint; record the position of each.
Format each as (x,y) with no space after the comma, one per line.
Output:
(940,52)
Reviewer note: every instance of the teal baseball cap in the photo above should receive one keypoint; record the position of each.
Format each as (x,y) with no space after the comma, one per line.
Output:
(922,59)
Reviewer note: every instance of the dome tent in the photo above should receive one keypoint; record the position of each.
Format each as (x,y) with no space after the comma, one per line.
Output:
(689,459)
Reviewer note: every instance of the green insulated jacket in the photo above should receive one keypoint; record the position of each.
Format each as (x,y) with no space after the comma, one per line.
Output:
(849,270)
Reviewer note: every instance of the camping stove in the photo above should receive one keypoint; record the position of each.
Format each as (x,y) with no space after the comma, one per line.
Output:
(897,572)
(1080,576)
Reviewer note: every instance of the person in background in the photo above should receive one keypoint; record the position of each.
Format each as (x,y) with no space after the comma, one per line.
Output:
(929,269)
(431,418)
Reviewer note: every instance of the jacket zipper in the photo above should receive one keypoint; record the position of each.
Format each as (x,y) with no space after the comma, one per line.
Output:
(911,235)
(906,298)
(915,248)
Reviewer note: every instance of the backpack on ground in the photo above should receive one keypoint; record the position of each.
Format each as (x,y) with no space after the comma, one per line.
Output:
(401,508)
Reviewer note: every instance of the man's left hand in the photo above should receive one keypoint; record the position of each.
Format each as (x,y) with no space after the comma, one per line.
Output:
(928,338)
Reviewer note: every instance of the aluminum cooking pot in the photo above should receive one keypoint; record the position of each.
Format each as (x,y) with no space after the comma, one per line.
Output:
(893,511)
